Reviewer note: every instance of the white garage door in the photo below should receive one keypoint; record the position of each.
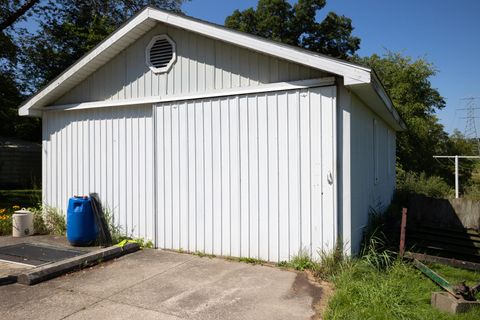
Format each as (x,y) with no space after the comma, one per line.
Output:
(249,175)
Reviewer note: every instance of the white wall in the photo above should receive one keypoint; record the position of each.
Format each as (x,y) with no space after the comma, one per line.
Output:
(248,175)
(202,65)
(108,151)
(372,166)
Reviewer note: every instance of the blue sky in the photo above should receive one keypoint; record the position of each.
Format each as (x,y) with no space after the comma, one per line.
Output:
(446,32)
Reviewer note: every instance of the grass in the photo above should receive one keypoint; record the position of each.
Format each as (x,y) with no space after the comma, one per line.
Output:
(397,292)
(378,285)
(251,260)
(301,261)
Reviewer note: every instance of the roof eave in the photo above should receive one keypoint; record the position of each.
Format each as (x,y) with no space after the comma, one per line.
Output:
(354,75)
(374,95)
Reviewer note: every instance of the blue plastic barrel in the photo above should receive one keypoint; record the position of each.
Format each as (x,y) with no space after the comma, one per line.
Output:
(81,227)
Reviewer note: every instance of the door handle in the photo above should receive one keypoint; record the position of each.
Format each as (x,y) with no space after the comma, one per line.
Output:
(330,177)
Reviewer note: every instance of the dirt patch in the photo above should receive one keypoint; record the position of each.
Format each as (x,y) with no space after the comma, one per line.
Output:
(320,291)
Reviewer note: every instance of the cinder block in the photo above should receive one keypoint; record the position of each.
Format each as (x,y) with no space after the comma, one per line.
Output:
(446,302)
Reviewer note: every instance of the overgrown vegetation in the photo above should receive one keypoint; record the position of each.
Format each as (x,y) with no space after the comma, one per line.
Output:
(48,220)
(434,186)
(378,284)
(396,292)
(330,262)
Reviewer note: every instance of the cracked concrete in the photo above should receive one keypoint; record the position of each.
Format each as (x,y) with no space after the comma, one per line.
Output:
(156,284)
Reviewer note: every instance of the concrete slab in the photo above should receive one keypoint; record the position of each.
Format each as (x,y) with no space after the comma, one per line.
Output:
(205,288)
(56,305)
(15,294)
(115,311)
(156,284)
(120,274)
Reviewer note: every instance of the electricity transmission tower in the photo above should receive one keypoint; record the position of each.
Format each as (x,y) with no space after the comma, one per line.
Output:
(470,133)
(470,121)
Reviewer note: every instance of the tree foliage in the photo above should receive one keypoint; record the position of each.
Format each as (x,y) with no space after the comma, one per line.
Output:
(67,29)
(297,25)
(407,81)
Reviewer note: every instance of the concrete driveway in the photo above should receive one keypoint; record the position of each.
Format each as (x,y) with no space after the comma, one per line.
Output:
(156,284)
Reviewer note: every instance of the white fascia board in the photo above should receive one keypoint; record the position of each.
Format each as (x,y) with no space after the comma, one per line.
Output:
(352,73)
(26,110)
(383,95)
(279,86)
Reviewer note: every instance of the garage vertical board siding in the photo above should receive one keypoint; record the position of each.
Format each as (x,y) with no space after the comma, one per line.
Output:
(202,65)
(108,151)
(247,175)
(372,167)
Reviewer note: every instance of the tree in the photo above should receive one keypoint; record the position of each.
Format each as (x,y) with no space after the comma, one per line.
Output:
(69,29)
(11,91)
(407,81)
(66,30)
(12,11)
(297,25)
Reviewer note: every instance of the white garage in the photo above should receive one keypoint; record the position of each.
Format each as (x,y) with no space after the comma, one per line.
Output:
(205,139)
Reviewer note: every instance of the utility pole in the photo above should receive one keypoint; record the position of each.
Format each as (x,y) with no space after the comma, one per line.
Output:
(470,121)
(456,157)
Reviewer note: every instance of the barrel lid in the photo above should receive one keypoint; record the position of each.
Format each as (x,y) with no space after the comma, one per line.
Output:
(22,211)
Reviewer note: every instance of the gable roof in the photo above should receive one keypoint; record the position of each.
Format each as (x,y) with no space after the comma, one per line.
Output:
(360,79)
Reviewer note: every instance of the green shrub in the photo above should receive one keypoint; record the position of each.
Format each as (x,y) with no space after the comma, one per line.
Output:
(434,186)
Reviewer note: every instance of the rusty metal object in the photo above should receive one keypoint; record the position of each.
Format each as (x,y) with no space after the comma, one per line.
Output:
(403,230)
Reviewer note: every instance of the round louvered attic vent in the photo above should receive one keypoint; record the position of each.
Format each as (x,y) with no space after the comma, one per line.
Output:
(160,53)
